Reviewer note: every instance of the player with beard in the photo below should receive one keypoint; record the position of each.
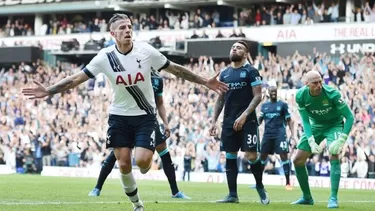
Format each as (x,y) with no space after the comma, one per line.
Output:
(240,126)
(276,115)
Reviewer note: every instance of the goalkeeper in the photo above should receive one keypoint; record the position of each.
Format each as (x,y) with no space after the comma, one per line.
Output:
(323,112)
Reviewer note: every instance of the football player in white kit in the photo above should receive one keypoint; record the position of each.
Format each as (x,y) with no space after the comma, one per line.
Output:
(132,120)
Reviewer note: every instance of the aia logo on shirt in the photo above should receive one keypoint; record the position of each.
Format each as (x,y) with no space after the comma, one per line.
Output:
(130,79)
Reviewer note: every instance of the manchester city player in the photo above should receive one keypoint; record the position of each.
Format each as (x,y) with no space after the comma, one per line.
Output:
(323,112)
(240,126)
(275,114)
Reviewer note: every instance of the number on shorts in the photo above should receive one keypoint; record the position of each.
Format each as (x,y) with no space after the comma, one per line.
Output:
(283,145)
(152,142)
(251,139)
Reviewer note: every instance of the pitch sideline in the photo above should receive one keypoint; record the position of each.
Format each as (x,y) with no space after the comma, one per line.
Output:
(41,203)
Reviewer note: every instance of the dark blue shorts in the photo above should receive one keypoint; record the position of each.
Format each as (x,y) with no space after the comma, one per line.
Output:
(247,139)
(278,145)
(131,131)
(159,135)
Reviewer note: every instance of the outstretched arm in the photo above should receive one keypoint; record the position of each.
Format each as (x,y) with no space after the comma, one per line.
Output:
(183,72)
(68,83)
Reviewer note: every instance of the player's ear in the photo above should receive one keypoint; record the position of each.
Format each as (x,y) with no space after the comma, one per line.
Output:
(112,33)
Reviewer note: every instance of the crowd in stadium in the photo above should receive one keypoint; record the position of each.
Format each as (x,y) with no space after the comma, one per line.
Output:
(34,133)
(256,15)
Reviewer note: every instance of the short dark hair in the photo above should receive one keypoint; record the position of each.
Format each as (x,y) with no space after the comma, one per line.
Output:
(244,43)
(118,16)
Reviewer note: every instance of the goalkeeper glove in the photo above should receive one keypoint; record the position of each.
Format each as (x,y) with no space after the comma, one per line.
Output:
(336,146)
(315,148)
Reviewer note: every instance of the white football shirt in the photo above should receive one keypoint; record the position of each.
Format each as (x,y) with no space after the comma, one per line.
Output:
(129,76)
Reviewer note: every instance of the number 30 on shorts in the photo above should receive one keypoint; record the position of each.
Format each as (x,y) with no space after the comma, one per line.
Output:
(251,139)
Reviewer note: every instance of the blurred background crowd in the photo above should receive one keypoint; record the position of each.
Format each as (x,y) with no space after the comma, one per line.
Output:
(69,129)
(305,13)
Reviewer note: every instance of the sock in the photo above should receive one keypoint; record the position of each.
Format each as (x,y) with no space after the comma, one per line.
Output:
(106,170)
(130,187)
(232,172)
(335,177)
(169,170)
(303,180)
(286,167)
(257,170)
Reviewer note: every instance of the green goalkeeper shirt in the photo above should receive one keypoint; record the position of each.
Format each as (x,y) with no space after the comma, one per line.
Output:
(327,109)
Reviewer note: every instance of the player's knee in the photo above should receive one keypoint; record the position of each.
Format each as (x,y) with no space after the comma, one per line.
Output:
(263,156)
(161,147)
(298,161)
(125,167)
(252,156)
(143,163)
(283,156)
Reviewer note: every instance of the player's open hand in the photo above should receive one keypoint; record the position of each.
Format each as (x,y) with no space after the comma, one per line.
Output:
(240,121)
(167,131)
(335,147)
(216,85)
(315,148)
(213,130)
(36,92)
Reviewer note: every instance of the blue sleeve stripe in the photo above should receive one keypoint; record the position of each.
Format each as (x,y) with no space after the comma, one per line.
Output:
(88,73)
(256,83)
(160,94)
(287,116)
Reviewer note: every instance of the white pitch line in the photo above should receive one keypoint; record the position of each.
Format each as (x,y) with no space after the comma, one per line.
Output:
(38,203)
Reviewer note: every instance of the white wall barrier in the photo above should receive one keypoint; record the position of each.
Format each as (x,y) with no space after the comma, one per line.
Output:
(315,182)
(5,169)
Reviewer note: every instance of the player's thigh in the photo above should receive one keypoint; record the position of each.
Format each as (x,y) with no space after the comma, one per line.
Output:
(123,156)
(332,133)
(303,144)
(281,145)
(230,140)
(250,138)
(145,135)
(120,134)
(267,146)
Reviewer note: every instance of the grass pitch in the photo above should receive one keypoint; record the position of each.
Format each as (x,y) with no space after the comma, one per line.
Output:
(32,192)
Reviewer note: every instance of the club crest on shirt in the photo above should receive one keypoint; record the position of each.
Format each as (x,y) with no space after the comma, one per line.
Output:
(243,74)
(325,102)
(278,108)
(139,63)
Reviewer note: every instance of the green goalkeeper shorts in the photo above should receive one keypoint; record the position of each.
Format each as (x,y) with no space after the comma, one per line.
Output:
(320,133)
